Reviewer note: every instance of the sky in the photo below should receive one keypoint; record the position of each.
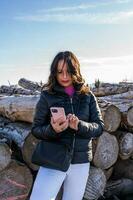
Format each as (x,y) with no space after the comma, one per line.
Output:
(98,32)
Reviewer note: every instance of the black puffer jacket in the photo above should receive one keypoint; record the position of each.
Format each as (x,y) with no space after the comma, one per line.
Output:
(85,107)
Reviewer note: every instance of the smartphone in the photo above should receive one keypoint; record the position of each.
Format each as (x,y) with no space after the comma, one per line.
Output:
(58,112)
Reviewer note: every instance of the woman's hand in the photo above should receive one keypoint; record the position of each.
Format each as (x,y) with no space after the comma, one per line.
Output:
(59,125)
(73,121)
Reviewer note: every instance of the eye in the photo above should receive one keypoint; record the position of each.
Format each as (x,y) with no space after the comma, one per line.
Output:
(59,71)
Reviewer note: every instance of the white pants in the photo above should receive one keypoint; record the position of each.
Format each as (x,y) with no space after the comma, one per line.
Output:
(49,181)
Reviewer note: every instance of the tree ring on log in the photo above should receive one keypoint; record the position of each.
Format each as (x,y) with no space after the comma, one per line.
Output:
(112,118)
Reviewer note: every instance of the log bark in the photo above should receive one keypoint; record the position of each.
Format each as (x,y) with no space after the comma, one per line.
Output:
(123,169)
(30,85)
(95,184)
(131,156)
(4,121)
(16,132)
(111,115)
(108,172)
(20,108)
(27,150)
(112,90)
(5,156)
(15,90)
(119,187)
(117,97)
(106,152)
(125,105)
(15,182)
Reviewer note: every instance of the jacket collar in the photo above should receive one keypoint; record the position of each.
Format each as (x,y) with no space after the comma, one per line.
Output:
(60,89)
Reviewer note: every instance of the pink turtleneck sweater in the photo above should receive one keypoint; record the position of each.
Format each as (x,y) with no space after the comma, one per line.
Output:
(69,90)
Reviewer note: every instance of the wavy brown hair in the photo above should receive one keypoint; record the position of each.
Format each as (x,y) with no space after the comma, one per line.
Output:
(73,66)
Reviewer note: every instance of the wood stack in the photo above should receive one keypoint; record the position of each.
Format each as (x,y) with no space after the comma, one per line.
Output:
(112,166)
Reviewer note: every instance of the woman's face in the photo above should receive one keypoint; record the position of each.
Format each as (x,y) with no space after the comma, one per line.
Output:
(64,78)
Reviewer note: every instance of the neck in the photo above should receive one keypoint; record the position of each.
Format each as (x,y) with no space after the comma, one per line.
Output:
(70,90)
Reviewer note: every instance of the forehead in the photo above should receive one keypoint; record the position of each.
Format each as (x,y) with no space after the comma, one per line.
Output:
(62,65)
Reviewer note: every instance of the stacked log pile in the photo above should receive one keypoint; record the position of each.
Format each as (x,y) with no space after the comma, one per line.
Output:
(106,89)
(111,171)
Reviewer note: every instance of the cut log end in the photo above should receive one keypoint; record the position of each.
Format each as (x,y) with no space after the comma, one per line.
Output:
(106,155)
(15,182)
(130,116)
(27,150)
(5,156)
(96,184)
(112,118)
(126,145)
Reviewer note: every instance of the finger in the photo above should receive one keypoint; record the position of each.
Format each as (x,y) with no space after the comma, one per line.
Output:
(64,125)
(62,128)
(59,120)
(69,115)
(75,118)
(72,118)
(52,120)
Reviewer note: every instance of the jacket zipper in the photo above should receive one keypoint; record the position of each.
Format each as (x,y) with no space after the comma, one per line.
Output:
(71,102)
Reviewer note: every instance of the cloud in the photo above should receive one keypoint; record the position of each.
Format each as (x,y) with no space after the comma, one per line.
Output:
(118,60)
(123,1)
(83,6)
(81,14)
(82,18)
(68,8)
(107,69)
(84,13)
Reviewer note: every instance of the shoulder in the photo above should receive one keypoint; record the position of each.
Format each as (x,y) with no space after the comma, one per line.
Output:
(90,94)
(45,93)
(88,97)
(47,96)
(42,97)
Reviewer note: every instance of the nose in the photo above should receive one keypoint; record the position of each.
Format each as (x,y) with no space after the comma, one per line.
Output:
(64,74)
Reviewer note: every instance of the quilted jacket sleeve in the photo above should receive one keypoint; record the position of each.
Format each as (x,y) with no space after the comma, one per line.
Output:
(41,127)
(95,126)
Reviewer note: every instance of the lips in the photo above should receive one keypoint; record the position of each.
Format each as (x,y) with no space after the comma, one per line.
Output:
(65,81)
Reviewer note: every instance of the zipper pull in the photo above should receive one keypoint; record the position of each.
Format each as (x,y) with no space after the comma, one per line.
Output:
(71,101)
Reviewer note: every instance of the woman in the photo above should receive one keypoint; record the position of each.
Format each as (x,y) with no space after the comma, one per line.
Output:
(66,88)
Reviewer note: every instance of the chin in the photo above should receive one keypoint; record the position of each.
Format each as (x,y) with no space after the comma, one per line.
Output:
(66,84)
